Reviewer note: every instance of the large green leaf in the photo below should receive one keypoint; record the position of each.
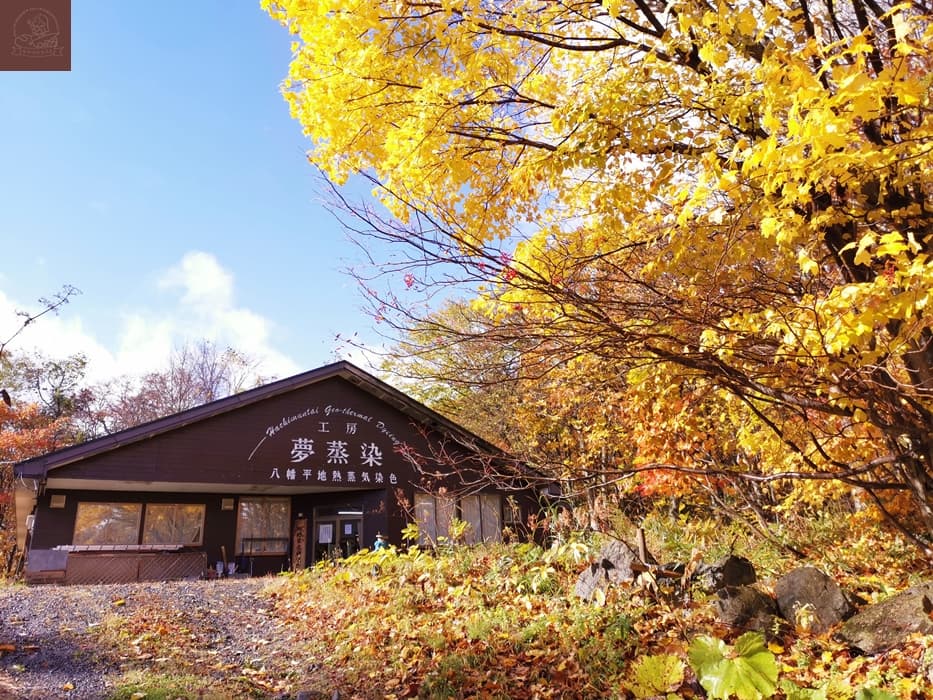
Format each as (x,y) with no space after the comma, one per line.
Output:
(747,671)
(705,652)
(655,675)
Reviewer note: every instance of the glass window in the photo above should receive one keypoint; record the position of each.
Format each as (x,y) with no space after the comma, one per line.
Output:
(470,512)
(426,518)
(263,526)
(174,523)
(445,510)
(435,513)
(107,523)
(513,512)
(484,513)
(491,505)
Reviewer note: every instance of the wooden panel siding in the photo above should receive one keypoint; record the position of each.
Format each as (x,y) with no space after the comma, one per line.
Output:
(55,526)
(246,445)
(330,439)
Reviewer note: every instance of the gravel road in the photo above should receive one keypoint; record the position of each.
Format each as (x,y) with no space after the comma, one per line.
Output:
(50,648)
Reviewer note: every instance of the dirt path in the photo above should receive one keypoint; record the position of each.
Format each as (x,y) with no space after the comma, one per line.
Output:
(81,641)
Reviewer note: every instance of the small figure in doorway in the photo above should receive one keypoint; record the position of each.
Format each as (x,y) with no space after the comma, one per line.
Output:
(380,543)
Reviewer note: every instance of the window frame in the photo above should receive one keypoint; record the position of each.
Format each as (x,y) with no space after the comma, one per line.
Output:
(146,521)
(286,537)
(482,530)
(76,531)
(430,507)
(426,518)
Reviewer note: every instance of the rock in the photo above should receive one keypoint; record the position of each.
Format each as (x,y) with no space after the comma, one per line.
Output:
(592,579)
(613,566)
(617,559)
(747,608)
(730,572)
(887,624)
(808,587)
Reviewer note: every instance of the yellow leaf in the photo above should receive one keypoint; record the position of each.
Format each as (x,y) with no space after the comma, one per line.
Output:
(769,227)
(807,264)
(863,255)
(746,23)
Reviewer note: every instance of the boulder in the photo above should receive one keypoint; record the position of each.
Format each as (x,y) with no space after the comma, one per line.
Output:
(592,579)
(616,557)
(887,624)
(730,572)
(747,608)
(810,590)
(613,565)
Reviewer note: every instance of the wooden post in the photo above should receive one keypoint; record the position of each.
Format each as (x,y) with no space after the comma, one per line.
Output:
(642,546)
(299,543)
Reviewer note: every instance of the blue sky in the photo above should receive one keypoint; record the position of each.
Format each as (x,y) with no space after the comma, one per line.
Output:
(164,178)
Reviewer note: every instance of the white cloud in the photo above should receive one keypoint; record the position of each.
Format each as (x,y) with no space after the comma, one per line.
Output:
(367,358)
(145,343)
(205,283)
(201,305)
(54,336)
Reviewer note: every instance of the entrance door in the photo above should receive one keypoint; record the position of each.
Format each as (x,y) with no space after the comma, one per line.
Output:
(337,537)
(325,539)
(350,536)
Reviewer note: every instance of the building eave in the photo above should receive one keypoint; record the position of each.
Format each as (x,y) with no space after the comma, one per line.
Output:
(39,467)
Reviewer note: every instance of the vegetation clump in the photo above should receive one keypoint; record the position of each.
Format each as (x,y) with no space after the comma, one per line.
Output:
(502,621)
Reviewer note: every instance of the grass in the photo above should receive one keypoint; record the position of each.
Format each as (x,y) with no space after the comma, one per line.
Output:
(152,685)
(501,621)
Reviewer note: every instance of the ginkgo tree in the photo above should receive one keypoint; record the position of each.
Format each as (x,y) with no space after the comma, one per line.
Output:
(731,196)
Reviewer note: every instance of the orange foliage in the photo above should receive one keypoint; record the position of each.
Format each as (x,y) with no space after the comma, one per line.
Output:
(27,432)
(24,432)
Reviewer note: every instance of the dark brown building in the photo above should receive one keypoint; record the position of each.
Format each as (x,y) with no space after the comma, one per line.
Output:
(271,479)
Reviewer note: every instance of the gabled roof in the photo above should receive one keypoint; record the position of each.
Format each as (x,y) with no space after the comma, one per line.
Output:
(38,467)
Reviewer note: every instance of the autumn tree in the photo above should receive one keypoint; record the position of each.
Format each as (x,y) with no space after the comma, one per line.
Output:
(25,429)
(47,397)
(25,319)
(729,198)
(196,373)
(57,386)
(578,421)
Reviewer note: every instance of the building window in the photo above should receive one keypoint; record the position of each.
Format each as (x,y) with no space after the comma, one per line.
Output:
(434,514)
(484,514)
(263,526)
(445,508)
(174,523)
(107,523)
(426,517)
(513,513)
